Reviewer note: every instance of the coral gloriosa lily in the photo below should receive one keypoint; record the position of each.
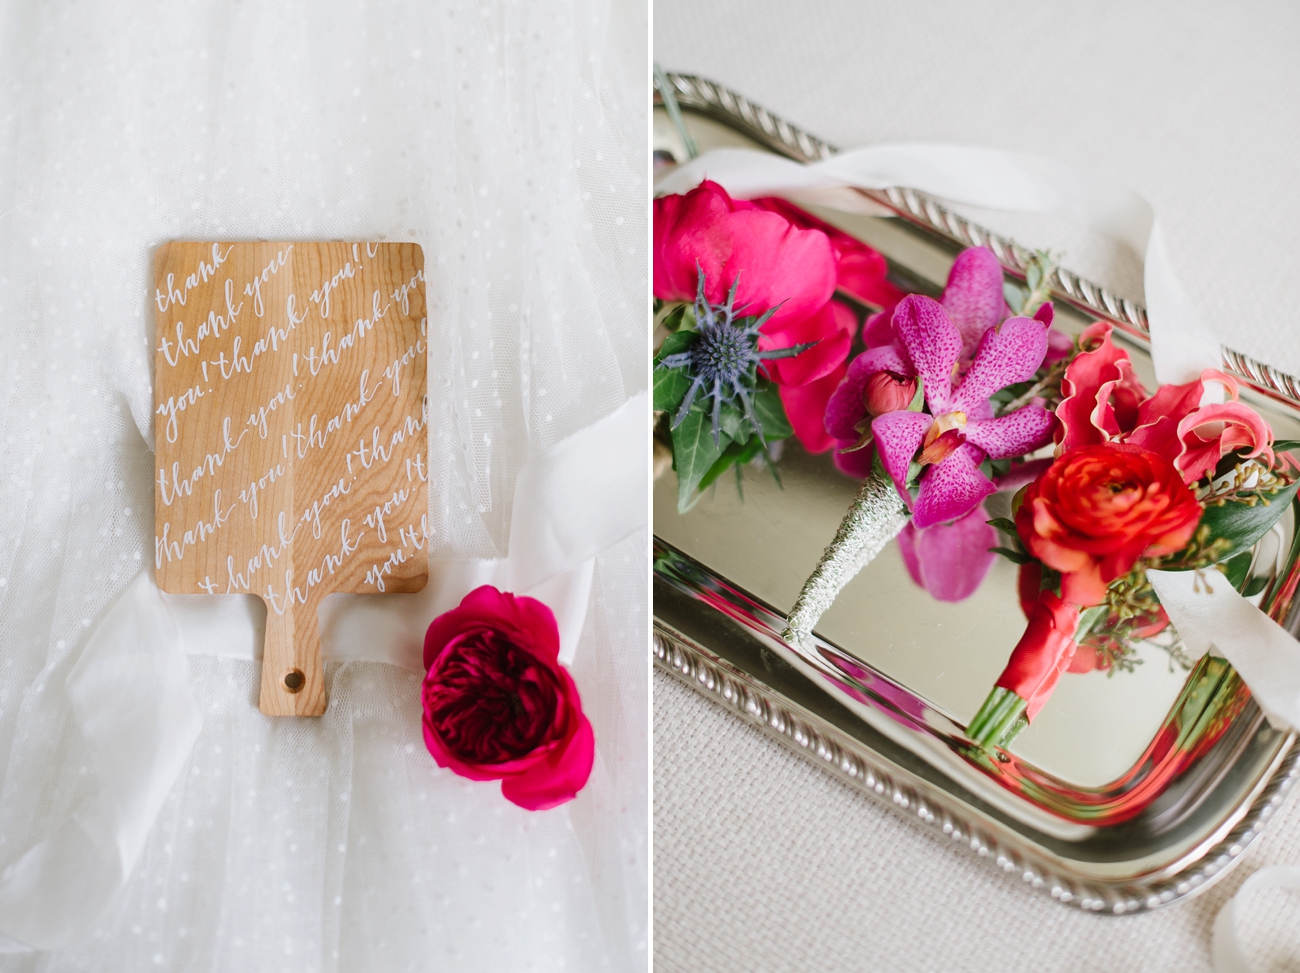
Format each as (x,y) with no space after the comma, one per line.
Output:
(960,429)
(723,360)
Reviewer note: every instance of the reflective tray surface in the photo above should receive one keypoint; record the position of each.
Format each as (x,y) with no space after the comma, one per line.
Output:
(1132,789)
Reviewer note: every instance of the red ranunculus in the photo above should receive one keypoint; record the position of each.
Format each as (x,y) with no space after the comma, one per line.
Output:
(499,706)
(1097,509)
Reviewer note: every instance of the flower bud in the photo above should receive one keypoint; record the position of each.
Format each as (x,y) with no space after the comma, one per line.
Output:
(888,392)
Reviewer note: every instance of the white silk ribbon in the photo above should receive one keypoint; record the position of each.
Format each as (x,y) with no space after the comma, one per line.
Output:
(1225,944)
(1181,344)
(130,690)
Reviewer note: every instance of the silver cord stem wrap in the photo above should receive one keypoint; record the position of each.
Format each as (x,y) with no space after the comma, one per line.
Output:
(874,519)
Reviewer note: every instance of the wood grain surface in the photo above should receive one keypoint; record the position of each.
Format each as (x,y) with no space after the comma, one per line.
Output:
(290,398)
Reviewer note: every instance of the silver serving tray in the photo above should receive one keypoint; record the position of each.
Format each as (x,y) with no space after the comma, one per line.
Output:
(1130,791)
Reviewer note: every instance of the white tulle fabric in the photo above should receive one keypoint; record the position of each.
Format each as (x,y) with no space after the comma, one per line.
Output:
(509,140)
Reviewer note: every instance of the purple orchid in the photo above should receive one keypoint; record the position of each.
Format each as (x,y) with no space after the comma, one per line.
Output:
(960,429)
(950,560)
(974,302)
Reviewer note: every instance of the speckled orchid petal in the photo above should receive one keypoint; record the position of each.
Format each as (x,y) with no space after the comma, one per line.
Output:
(952,488)
(973,297)
(898,436)
(950,560)
(1007,354)
(878,330)
(845,408)
(933,343)
(1014,434)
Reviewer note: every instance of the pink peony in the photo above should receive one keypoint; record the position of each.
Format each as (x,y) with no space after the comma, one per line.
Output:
(499,706)
(782,258)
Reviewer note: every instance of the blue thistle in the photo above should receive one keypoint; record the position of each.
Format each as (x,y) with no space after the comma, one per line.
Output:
(723,360)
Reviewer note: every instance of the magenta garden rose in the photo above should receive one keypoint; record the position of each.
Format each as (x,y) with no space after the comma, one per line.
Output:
(499,706)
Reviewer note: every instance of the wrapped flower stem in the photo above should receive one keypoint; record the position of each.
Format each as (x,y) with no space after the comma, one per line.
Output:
(1036,665)
(874,519)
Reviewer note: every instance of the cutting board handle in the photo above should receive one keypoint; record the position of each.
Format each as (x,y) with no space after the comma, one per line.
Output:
(293,680)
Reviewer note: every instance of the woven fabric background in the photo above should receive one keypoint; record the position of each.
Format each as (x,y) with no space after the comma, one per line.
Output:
(761,861)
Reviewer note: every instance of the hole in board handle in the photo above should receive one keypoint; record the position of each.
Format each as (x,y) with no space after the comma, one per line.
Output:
(294,680)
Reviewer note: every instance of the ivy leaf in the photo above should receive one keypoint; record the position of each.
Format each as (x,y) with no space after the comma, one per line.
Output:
(670,388)
(771,413)
(1242,525)
(675,343)
(694,452)
(735,424)
(673,319)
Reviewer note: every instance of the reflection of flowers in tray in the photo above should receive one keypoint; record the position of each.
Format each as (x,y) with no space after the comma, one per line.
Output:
(952,401)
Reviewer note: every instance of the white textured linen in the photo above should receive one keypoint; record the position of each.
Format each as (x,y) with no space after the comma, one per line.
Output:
(1196,112)
(509,140)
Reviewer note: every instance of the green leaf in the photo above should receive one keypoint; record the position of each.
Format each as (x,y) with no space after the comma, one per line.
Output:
(734,423)
(771,413)
(1033,276)
(1016,557)
(918,400)
(1007,527)
(733,455)
(1255,585)
(1237,569)
(694,452)
(1242,524)
(1015,295)
(670,387)
(673,319)
(675,343)
(1282,445)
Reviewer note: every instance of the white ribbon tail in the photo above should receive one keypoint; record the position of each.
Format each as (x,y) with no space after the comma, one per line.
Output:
(1225,947)
(1216,615)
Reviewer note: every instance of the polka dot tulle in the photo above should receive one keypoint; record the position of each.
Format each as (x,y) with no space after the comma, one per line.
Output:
(509,140)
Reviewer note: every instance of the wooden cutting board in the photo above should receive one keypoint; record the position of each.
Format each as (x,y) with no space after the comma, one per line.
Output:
(290,413)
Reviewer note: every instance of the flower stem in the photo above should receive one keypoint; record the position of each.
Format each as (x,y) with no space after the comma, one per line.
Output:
(873,520)
(996,722)
(674,112)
